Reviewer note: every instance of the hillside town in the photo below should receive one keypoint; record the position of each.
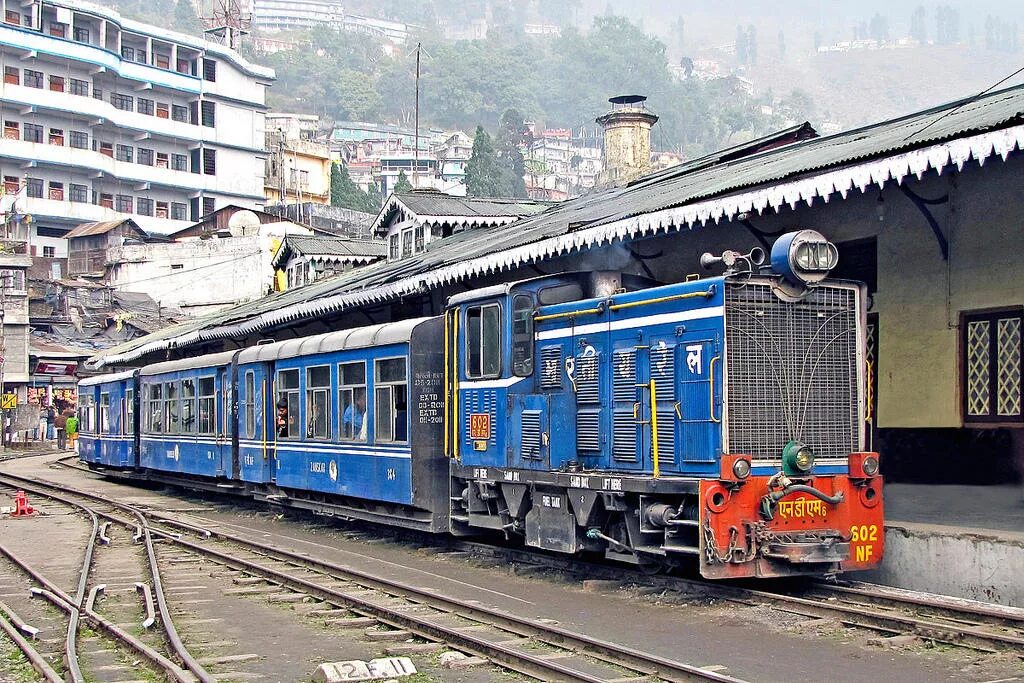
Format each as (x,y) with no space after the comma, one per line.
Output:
(664,290)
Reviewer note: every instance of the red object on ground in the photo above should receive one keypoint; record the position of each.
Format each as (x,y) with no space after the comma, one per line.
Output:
(21,506)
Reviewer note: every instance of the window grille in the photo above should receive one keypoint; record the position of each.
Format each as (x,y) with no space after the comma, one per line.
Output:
(991,345)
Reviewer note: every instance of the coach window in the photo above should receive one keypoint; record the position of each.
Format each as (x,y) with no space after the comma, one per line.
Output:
(352,401)
(172,390)
(483,341)
(522,335)
(288,397)
(250,404)
(318,401)
(129,411)
(226,419)
(155,409)
(104,414)
(391,392)
(86,408)
(207,398)
(188,406)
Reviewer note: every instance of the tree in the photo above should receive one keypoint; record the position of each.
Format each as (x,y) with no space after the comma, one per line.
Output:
(346,194)
(403,184)
(355,97)
(482,167)
(512,136)
(185,19)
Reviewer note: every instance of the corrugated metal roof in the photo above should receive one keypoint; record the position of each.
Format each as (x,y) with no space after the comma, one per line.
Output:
(440,204)
(435,205)
(329,246)
(711,188)
(101,228)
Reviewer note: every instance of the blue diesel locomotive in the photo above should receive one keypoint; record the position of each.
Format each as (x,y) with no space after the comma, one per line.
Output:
(720,419)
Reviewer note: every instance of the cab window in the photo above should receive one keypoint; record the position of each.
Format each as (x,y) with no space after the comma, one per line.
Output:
(522,335)
(483,341)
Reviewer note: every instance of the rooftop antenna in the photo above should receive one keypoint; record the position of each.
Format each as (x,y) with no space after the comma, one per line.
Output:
(228,23)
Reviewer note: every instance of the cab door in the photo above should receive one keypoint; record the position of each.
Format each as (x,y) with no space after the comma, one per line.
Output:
(699,386)
(659,406)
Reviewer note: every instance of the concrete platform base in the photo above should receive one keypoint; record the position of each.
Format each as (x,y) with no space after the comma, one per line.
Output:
(978,564)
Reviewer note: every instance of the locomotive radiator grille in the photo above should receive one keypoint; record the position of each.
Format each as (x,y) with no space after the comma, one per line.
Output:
(551,367)
(531,433)
(792,370)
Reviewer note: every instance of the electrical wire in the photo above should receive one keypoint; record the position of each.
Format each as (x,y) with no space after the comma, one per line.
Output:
(190,270)
(964,104)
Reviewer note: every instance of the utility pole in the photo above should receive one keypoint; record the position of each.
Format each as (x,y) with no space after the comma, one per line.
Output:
(416,152)
(3,358)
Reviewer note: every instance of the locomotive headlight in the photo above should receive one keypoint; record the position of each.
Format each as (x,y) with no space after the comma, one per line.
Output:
(804,257)
(870,465)
(741,468)
(797,458)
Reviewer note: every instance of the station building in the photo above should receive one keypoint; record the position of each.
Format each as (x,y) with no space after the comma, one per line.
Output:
(925,209)
(106,118)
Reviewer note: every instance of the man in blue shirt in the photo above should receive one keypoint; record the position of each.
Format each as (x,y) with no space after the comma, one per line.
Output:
(353,422)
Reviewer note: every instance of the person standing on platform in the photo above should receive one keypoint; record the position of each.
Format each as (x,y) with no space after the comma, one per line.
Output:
(71,427)
(43,425)
(51,417)
(60,423)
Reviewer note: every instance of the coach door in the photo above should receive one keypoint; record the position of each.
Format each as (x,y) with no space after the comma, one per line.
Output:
(225,424)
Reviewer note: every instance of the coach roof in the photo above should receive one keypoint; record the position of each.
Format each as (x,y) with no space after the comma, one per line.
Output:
(106,379)
(355,338)
(211,360)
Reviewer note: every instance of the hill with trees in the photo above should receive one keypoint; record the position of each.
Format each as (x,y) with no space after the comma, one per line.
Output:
(562,82)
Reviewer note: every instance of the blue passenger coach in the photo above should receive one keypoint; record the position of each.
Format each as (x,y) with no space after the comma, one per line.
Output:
(356,419)
(108,422)
(186,416)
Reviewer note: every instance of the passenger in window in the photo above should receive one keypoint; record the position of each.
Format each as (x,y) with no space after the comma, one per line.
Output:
(314,417)
(401,419)
(284,420)
(353,422)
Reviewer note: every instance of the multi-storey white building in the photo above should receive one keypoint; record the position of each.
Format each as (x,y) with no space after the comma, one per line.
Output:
(290,15)
(106,118)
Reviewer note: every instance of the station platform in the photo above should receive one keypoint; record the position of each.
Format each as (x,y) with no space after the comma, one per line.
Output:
(964,541)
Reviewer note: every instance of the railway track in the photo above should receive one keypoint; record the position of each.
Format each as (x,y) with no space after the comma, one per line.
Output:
(108,644)
(982,627)
(539,650)
(977,626)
